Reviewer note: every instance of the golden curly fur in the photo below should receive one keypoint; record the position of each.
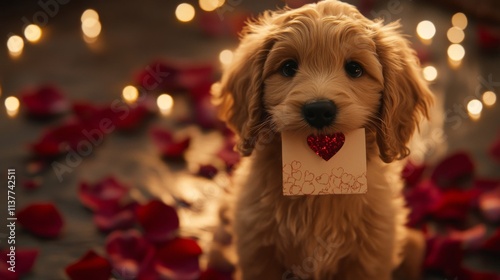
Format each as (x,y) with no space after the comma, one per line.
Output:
(334,236)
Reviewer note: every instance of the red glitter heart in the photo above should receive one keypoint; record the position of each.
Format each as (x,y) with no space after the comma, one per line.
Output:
(326,146)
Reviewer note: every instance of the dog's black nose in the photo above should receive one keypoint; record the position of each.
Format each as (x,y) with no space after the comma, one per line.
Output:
(319,114)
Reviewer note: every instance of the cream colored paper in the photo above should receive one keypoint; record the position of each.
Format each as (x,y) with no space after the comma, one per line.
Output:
(306,173)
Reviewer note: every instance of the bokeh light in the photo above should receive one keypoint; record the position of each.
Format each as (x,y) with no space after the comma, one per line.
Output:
(130,94)
(33,33)
(15,44)
(459,20)
(89,14)
(208,5)
(12,106)
(455,35)
(489,98)
(456,52)
(91,27)
(226,56)
(185,12)
(426,30)
(474,107)
(430,73)
(165,103)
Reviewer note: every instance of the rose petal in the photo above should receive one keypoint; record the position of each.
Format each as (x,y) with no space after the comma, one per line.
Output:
(227,154)
(168,147)
(444,255)
(470,238)
(454,205)
(32,184)
(60,139)
(24,260)
(41,219)
(489,204)
(159,221)
(206,114)
(208,171)
(90,266)
(158,76)
(492,244)
(106,118)
(45,101)
(105,194)
(129,253)
(420,199)
(412,173)
(108,219)
(453,170)
(495,149)
(178,259)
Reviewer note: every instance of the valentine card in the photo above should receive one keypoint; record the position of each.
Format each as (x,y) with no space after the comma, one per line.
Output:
(324,164)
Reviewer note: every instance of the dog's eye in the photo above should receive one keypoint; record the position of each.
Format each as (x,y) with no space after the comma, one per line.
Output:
(353,69)
(289,68)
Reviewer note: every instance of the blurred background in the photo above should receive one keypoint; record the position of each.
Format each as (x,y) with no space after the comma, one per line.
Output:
(105,114)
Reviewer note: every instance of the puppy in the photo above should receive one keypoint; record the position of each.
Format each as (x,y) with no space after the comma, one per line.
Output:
(360,74)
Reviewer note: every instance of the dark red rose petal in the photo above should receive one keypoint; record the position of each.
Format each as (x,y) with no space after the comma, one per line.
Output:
(90,266)
(31,184)
(227,154)
(158,76)
(444,255)
(492,244)
(106,194)
(45,101)
(420,199)
(195,78)
(487,38)
(454,205)
(24,260)
(122,217)
(178,259)
(453,170)
(495,149)
(129,253)
(159,221)
(60,139)
(412,173)
(168,147)
(104,119)
(208,171)
(41,219)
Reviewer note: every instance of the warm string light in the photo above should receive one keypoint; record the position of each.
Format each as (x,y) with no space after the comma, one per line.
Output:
(455,35)
(225,57)
(185,12)
(91,26)
(459,20)
(426,31)
(210,5)
(12,106)
(130,94)
(456,52)
(430,73)
(33,33)
(15,45)
(489,98)
(474,108)
(165,103)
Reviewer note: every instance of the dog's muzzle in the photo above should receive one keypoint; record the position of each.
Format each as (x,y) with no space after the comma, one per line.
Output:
(319,114)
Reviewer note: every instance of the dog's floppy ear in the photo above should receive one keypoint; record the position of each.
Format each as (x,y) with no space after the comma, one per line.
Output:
(405,99)
(239,93)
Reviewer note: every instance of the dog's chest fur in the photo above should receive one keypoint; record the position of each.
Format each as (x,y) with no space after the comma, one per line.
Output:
(322,232)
